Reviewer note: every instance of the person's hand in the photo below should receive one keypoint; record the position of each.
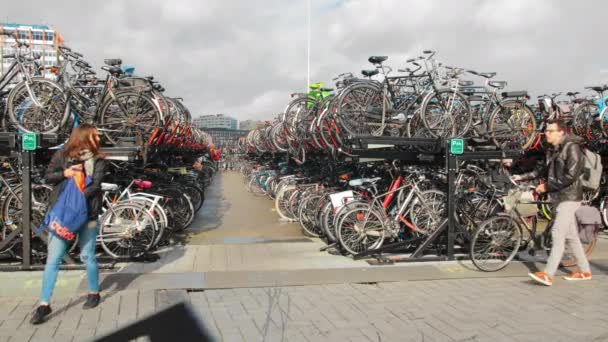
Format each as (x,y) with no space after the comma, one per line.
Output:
(542,188)
(516,178)
(70,171)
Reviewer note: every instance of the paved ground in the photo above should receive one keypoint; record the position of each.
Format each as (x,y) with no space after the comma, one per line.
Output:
(241,217)
(511,309)
(238,272)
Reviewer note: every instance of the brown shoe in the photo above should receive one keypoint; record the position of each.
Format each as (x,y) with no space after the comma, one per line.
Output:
(542,278)
(578,275)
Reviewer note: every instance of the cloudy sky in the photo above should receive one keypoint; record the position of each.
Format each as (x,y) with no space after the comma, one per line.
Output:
(244,57)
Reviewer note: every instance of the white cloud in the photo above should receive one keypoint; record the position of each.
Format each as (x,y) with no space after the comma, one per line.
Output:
(246,57)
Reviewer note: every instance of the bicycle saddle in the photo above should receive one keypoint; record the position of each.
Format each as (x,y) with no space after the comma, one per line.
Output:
(600,89)
(109,187)
(572,93)
(142,184)
(521,93)
(361,181)
(497,84)
(113,61)
(377,59)
(114,70)
(370,73)
(466,83)
(487,74)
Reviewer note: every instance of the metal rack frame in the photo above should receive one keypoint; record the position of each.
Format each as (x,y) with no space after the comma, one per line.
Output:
(392,148)
(13,148)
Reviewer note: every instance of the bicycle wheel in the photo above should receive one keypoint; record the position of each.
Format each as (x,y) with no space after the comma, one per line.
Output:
(195,192)
(186,211)
(294,201)
(12,216)
(126,230)
(583,115)
(512,125)
(360,229)
(331,218)
(603,121)
(37,106)
(281,203)
(254,187)
(360,109)
(429,211)
(495,243)
(446,114)
(129,115)
(306,214)
(158,213)
(297,110)
(568,260)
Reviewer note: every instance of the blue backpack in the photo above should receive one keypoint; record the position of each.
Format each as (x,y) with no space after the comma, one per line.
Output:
(70,212)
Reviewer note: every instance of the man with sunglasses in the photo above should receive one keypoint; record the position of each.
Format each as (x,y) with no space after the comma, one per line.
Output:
(562,169)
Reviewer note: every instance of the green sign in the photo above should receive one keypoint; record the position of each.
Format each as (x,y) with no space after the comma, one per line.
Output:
(456,146)
(29,141)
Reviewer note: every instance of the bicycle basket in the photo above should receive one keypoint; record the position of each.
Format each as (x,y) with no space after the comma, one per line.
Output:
(524,201)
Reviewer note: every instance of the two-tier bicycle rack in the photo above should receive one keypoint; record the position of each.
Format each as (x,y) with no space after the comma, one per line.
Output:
(421,151)
(11,146)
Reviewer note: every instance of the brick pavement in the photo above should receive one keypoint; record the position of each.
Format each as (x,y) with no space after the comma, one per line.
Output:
(491,309)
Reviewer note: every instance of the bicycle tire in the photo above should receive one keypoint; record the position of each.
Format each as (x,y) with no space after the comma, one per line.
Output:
(582,116)
(505,226)
(136,240)
(305,210)
(505,130)
(459,123)
(159,215)
(351,237)
(568,259)
(19,103)
(353,113)
(128,124)
(280,203)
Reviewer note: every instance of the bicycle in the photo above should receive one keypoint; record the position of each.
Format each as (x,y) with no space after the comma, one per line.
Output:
(365,228)
(34,104)
(498,239)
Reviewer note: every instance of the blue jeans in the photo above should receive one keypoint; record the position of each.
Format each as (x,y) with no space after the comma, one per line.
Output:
(57,249)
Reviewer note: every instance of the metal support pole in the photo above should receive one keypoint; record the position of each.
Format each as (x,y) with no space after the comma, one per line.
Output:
(26,191)
(451,214)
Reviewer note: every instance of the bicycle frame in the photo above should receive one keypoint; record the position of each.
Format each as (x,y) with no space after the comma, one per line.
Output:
(399,214)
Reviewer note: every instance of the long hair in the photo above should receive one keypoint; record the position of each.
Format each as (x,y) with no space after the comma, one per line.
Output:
(81,139)
(560,125)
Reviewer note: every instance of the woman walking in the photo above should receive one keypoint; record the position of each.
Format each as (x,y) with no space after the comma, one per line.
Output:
(81,153)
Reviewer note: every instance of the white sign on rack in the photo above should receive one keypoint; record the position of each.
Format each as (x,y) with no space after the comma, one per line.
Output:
(341,198)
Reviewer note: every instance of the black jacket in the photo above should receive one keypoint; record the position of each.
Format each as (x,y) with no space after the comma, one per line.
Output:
(562,170)
(54,176)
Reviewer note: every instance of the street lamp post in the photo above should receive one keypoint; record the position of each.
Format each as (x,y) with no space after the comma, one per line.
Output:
(308,41)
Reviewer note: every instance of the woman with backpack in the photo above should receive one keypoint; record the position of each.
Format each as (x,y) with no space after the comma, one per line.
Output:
(80,160)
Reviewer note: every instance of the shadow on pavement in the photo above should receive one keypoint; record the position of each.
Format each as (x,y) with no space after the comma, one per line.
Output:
(114,282)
